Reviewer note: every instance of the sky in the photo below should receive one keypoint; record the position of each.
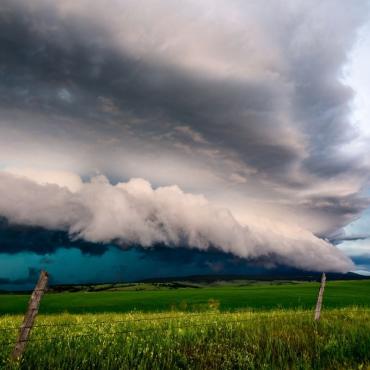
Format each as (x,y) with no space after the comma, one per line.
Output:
(222,130)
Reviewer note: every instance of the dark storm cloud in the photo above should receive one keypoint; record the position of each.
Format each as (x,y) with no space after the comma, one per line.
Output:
(341,209)
(362,260)
(256,96)
(20,238)
(70,65)
(216,261)
(134,213)
(362,263)
(41,70)
(60,67)
(15,239)
(30,278)
(338,239)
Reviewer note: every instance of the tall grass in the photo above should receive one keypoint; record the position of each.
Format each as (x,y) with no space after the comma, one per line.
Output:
(281,339)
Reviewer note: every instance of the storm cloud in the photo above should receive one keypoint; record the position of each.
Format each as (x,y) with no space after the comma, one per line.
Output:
(134,213)
(241,101)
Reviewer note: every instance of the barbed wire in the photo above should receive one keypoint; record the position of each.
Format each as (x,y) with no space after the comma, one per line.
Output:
(186,315)
(130,331)
(251,317)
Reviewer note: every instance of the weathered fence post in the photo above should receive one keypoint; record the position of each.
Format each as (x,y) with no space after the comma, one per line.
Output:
(319,298)
(33,307)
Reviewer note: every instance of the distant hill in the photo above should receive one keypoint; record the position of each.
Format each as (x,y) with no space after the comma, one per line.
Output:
(299,276)
(200,281)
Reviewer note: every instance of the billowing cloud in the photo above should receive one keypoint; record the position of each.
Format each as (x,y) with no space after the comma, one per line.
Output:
(62,178)
(133,213)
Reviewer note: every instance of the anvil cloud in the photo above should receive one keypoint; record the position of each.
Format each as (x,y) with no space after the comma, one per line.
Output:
(243,102)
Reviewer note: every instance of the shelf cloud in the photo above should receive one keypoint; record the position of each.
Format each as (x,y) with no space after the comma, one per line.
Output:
(133,213)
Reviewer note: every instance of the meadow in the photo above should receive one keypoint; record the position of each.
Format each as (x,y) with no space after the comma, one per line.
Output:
(163,297)
(226,326)
(277,339)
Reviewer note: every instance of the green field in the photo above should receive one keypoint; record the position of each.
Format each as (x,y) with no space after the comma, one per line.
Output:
(230,296)
(237,325)
(244,340)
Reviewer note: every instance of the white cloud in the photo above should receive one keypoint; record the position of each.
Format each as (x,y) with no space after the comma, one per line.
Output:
(356,248)
(135,213)
(42,177)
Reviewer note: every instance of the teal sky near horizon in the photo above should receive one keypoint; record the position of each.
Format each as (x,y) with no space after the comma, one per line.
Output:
(72,266)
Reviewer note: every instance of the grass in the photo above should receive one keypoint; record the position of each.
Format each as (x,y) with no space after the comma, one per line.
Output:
(275,339)
(223,326)
(151,298)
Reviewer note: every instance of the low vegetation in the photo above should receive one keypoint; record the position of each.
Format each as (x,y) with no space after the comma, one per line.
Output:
(239,325)
(231,296)
(276,339)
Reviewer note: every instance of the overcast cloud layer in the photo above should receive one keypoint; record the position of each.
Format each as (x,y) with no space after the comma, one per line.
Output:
(243,102)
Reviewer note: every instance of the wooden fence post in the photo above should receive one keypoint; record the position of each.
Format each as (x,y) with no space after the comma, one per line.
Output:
(319,298)
(29,318)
